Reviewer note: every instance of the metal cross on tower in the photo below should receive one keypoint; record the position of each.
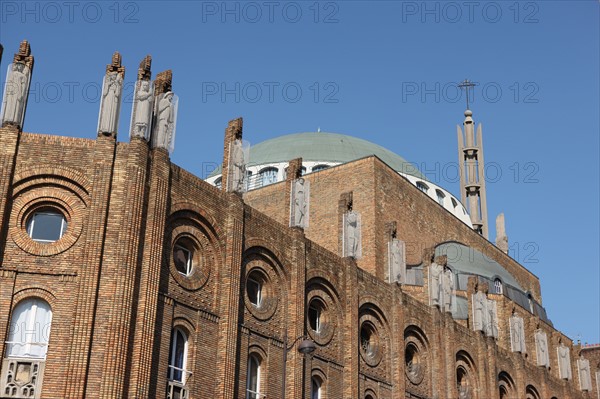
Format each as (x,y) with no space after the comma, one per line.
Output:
(466,85)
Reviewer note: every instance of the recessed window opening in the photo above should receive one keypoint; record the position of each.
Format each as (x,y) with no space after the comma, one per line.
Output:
(253,378)
(268,176)
(30,329)
(254,291)
(314,315)
(178,356)
(422,186)
(440,196)
(46,225)
(319,167)
(183,258)
(498,289)
(315,388)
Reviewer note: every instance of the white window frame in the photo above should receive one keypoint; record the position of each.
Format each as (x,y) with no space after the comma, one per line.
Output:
(268,175)
(259,288)
(30,227)
(189,264)
(315,381)
(30,326)
(498,286)
(172,357)
(440,196)
(422,186)
(318,313)
(253,392)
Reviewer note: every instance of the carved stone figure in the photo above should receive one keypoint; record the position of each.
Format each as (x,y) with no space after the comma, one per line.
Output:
(15,94)
(165,121)
(110,103)
(541,349)
(564,362)
(397,262)
(142,109)
(585,376)
(517,334)
(447,290)
(352,235)
(480,313)
(300,203)
(491,325)
(237,166)
(435,283)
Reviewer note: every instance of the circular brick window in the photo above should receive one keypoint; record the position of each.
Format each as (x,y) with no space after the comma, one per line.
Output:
(320,320)
(370,349)
(46,226)
(191,257)
(260,294)
(414,364)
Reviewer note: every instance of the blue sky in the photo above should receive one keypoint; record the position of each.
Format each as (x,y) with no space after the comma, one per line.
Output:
(380,70)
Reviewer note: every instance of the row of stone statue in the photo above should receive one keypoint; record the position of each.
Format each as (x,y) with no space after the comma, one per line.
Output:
(153,115)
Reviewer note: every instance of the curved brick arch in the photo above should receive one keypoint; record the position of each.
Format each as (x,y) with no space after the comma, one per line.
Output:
(34,291)
(257,247)
(372,303)
(203,217)
(59,173)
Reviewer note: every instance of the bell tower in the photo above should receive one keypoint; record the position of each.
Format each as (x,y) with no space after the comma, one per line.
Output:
(471,165)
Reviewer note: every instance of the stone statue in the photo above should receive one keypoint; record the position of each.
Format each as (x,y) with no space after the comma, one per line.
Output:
(492,319)
(564,362)
(447,290)
(397,262)
(480,313)
(237,166)
(142,109)
(110,103)
(541,348)
(585,376)
(435,283)
(165,121)
(517,334)
(501,238)
(15,94)
(352,243)
(300,203)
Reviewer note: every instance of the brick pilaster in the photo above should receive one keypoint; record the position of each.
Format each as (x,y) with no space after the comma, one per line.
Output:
(351,331)
(233,131)
(120,318)
(228,348)
(95,230)
(141,386)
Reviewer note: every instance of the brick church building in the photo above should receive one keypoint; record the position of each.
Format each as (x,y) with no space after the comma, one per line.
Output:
(314,265)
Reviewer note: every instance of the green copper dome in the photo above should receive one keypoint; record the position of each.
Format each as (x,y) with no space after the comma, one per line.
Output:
(324,147)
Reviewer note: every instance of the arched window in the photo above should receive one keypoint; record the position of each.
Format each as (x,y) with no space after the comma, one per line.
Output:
(319,167)
(29,329)
(422,186)
(253,379)
(454,203)
(315,388)
(498,288)
(267,176)
(178,356)
(440,196)
(218,182)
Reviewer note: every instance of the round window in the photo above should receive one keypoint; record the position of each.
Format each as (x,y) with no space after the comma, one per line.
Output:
(46,225)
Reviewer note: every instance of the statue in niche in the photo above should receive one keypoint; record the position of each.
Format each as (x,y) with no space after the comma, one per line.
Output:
(463,389)
(564,362)
(480,313)
(352,234)
(237,164)
(165,121)
(110,103)
(541,348)
(16,93)
(300,203)
(447,289)
(517,334)
(142,109)
(435,283)
(585,376)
